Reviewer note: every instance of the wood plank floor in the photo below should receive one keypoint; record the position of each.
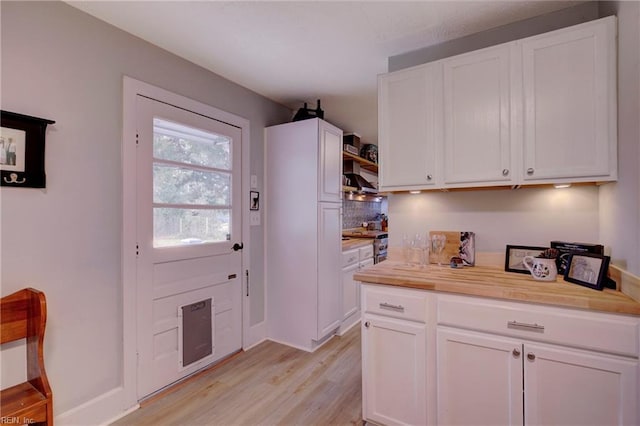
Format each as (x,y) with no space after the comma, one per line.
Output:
(270,384)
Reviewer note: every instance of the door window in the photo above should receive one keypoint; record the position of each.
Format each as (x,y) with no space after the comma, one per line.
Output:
(192,185)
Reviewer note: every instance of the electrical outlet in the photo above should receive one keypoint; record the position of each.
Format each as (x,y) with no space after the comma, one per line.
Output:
(254,218)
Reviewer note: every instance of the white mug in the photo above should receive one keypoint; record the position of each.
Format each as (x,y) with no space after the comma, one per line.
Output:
(541,269)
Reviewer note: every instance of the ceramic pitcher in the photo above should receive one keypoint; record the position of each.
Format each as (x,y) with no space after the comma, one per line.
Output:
(540,268)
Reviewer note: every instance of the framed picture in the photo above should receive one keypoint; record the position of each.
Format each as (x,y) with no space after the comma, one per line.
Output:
(587,269)
(515,254)
(22,150)
(254,199)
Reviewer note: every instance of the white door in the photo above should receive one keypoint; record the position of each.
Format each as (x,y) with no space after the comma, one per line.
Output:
(565,386)
(188,190)
(408,127)
(479,379)
(477,98)
(394,371)
(569,86)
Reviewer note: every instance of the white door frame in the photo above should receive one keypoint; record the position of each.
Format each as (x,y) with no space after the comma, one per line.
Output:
(131,89)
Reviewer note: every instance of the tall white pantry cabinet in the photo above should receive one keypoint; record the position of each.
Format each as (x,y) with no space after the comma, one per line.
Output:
(303,219)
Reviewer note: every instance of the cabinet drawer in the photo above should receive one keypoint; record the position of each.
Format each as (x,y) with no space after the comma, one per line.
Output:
(366,252)
(349,257)
(591,330)
(396,303)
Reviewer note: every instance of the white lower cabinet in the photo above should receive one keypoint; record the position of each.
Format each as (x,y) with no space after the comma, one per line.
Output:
(394,371)
(495,362)
(479,379)
(352,261)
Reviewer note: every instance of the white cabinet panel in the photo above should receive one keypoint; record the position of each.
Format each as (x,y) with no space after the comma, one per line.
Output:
(351,291)
(394,371)
(569,98)
(329,274)
(407,108)
(330,170)
(479,379)
(565,386)
(477,136)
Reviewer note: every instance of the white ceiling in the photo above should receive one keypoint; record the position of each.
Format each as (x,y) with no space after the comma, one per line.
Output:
(296,51)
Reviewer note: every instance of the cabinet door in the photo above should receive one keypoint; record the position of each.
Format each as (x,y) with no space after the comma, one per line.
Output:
(569,97)
(477,129)
(407,127)
(329,268)
(565,386)
(330,167)
(350,291)
(479,379)
(394,378)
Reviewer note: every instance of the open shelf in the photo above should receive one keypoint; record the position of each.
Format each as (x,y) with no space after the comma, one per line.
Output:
(364,163)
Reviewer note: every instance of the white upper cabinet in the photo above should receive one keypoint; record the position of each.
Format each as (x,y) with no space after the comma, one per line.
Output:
(569,85)
(407,106)
(477,123)
(330,167)
(537,110)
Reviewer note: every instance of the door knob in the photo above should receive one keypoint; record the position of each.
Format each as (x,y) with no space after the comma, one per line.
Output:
(367,324)
(530,171)
(237,246)
(531,356)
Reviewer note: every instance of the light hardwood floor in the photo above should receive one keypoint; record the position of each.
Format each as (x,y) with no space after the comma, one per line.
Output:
(271,384)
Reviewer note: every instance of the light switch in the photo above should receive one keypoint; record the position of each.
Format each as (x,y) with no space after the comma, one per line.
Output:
(254,181)
(254,218)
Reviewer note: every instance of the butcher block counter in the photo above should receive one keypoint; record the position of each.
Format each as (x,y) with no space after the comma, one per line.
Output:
(492,281)
(353,243)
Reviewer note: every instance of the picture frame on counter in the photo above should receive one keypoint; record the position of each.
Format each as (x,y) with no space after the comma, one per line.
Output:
(587,269)
(515,255)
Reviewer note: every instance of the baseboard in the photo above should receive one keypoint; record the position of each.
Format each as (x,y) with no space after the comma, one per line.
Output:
(101,410)
(342,330)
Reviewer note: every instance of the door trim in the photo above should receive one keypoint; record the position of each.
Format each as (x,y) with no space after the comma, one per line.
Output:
(131,89)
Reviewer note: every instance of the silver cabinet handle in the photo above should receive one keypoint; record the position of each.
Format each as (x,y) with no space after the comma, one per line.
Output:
(530,171)
(398,308)
(505,172)
(367,324)
(516,352)
(429,176)
(525,326)
(531,356)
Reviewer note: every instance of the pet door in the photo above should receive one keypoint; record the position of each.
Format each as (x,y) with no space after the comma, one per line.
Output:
(197,331)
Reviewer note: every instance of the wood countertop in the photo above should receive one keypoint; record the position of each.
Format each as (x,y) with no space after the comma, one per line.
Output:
(494,282)
(353,243)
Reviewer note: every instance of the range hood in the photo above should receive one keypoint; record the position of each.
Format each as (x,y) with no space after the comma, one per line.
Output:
(360,183)
(354,179)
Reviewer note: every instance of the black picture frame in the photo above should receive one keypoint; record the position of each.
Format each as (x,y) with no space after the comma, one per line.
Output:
(514,255)
(587,269)
(22,139)
(254,200)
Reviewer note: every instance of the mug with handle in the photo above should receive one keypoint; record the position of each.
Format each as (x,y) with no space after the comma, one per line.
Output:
(541,269)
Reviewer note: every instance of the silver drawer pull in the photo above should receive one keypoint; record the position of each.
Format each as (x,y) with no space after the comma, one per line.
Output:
(398,308)
(526,326)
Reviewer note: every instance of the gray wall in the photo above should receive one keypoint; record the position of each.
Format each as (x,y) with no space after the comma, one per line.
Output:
(620,202)
(608,214)
(62,64)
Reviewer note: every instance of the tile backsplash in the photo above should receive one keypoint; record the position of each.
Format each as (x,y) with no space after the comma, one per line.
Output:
(355,212)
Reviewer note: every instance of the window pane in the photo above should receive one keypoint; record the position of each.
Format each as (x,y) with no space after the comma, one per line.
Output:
(184,144)
(177,227)
(179,185)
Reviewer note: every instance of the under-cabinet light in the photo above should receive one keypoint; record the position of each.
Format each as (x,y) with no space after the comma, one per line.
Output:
(414,192)
(561,185)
